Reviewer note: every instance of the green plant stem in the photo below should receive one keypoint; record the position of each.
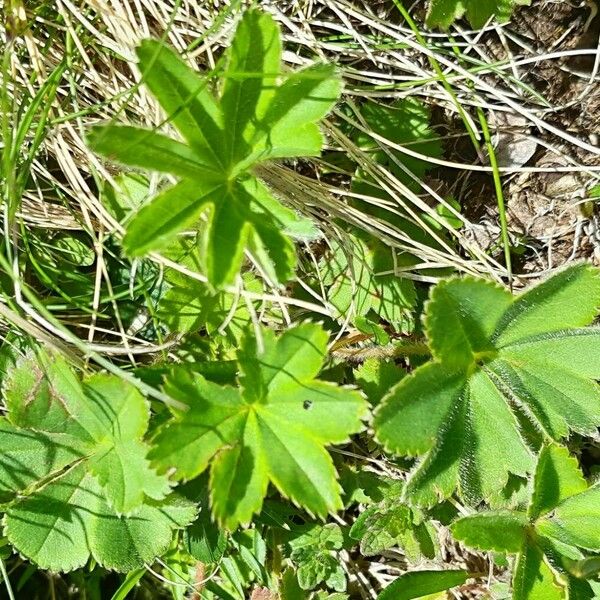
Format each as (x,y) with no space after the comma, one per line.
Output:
(8,175)
(131,580)
(6,580)
(499,193)
(441,76)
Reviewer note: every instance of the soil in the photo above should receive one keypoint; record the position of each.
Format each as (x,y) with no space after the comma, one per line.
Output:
(549,221)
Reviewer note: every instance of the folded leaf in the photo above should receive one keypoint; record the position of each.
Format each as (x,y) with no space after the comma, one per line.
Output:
(254,63)
(148,150)
(534,579)
(234,218)
(177,208)
(186,99)
(557,477)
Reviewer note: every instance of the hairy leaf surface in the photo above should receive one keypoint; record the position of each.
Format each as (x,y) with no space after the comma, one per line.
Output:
(562,518)
(500,531)
(492,353)
(422,583)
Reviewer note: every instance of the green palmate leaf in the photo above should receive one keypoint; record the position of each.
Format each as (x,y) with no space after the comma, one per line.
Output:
(273,429)
(314,554)
(258,114)
(557,477)
(187,99)
(74,463)
(104,421)
(65,522)
(492,351)
(393,523)
(422,583)
(562,517)
(442,13)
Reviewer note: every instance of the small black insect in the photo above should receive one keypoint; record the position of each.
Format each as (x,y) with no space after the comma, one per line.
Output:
(307,404)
